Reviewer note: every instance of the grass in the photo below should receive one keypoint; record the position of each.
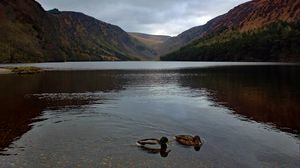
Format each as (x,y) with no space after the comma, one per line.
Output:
(26,70)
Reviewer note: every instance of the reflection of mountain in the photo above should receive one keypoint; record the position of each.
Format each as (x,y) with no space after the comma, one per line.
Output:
(20,108)
(263,94)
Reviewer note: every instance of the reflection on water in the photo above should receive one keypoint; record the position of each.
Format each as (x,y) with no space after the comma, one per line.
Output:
(263,94)
(164,152)
(23,98)
(248,117)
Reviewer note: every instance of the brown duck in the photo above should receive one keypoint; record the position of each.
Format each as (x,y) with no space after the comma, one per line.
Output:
(189,140)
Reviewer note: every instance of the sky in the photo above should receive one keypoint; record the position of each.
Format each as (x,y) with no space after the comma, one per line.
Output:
(159,17)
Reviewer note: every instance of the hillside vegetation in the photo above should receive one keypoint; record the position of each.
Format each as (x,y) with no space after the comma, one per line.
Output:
(275,42)
(28,33)
(258,30)
(150,40)
(250,31)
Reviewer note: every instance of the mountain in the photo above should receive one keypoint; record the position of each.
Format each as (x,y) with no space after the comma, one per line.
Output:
(152,41)
(87,33)
(28,33)
(258,30)
(186,37)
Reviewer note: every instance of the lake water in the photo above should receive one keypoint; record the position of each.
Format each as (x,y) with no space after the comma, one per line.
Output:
(92,114)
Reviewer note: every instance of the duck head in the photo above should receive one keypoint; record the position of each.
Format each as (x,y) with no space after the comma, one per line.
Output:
(198,143)
(163,141)
(197,139)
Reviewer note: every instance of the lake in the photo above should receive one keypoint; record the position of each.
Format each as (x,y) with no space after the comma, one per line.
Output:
(92,114)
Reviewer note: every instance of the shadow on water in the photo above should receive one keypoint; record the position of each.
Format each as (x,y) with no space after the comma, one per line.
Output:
(23,98)
(164,152)
(269,95)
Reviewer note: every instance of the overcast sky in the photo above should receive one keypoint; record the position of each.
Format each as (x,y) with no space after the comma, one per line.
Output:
(161,17)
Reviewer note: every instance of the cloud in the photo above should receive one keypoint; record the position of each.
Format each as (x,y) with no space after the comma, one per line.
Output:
(169,17)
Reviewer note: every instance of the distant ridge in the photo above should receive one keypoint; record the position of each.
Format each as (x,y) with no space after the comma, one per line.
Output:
(152,41)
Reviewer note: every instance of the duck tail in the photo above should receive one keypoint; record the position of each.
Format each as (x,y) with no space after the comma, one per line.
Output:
(138,144)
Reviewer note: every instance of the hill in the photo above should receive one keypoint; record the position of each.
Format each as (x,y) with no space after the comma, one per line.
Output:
(150,40)
(28,33)
(259,30)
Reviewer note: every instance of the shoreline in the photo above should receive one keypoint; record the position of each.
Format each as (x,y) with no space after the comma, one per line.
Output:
(32,68)
(20,70)
(5,71)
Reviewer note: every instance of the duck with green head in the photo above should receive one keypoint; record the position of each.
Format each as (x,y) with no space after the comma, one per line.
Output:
(151,146)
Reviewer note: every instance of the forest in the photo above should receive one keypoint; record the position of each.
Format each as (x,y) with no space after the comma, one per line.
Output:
(278,41)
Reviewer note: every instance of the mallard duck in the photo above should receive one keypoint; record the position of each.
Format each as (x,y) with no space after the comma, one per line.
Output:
(152,141)
(150,145)
(190,141)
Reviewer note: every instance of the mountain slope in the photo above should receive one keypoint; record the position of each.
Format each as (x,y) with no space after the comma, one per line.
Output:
(20,41)
(87,33)
(30,34)
(150,40)
(186,37)
(246,17)
(278,41)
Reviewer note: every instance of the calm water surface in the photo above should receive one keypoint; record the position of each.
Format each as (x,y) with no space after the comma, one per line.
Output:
(248,116)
